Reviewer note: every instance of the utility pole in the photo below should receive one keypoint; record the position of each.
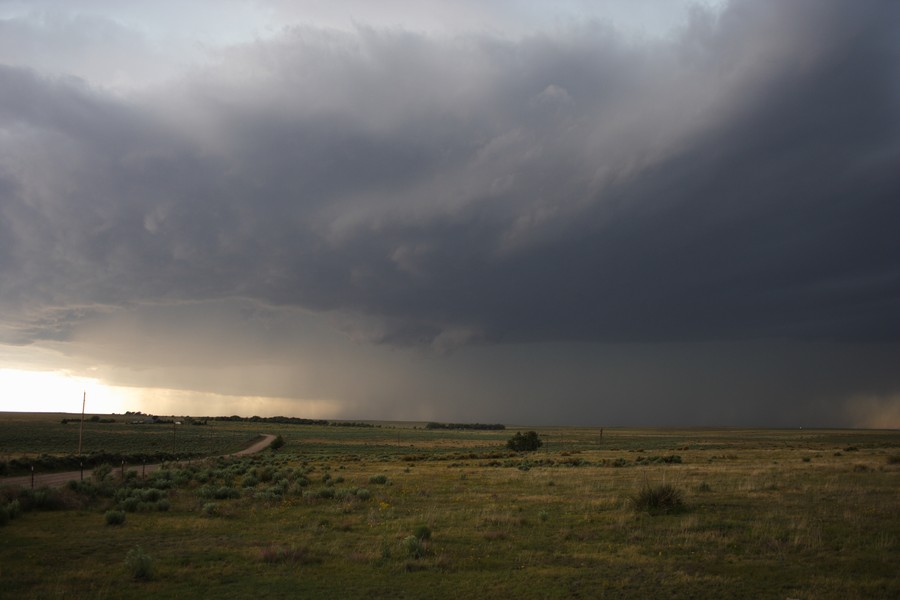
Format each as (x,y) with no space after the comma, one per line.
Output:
(81,428)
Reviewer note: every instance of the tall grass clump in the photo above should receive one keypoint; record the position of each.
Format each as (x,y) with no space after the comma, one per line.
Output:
(659,499)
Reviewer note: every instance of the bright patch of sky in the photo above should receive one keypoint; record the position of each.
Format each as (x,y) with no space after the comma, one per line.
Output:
(124,45)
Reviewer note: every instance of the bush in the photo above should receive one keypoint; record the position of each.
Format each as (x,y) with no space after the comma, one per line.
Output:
(363,494)
(659,500)
(277,443)
(115,517)
(379,479)
(524,442)
(423,532)
(413,546)
(102,472)
(130,504)
(210,509)
(139,564)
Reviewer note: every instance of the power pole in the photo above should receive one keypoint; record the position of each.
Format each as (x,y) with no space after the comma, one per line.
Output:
(81,428)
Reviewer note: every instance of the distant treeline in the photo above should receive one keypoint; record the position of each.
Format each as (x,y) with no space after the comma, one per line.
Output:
(280,420)
(291,421)
(476,426)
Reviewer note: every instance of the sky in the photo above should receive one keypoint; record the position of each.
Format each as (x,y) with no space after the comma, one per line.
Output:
(643,213)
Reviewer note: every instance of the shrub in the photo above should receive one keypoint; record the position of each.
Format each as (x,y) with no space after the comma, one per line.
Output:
(129,504)
(413,546)
(277,443)
(102,472)
(139,564)
(292,555)
(379,479)
(423,532)
(363,494)
(152,495)
(4,516)
(210,509)
(659,500)
(524,442)
(226,493)
(114,517)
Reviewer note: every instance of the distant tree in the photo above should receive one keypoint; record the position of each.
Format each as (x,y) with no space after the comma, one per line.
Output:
(524,442)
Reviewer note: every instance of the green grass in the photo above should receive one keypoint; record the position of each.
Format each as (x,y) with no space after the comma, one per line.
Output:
(757,521)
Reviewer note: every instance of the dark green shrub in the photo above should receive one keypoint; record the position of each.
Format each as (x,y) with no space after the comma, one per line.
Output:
(152,495)
(363,494)
(114,517)
(379,479)
(277,443)
(226,493)
(659,500)
(524,442)
(4,516)
(129,504)
(423,532)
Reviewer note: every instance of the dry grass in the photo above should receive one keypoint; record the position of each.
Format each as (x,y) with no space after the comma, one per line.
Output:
(556,530)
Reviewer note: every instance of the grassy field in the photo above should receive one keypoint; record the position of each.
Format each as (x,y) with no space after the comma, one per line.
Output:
(403,512)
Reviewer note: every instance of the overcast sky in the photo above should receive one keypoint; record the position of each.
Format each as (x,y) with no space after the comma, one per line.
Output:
(608,213)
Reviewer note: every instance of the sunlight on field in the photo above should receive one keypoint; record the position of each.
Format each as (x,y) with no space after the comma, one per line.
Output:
(56,391)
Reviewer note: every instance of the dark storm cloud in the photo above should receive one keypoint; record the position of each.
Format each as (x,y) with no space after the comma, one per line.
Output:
(736,181)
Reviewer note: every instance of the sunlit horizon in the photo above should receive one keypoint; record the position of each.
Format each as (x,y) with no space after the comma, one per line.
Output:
(58,391)
(32,391)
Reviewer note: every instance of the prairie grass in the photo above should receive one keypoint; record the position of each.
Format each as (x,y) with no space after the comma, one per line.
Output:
(760,522)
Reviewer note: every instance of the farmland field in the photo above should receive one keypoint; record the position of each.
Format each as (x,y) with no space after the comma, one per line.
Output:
(400,511)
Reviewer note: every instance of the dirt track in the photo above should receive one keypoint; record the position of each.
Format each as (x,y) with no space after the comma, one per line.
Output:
(60,479)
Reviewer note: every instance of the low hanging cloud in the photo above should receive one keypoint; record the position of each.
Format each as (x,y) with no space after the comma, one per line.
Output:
(735,180)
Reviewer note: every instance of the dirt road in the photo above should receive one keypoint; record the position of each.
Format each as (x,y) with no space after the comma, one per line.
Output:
(60,479)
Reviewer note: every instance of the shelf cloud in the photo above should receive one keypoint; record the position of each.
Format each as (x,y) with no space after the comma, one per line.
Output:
(411,198)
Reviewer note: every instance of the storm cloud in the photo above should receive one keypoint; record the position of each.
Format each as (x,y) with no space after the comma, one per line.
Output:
(562,192)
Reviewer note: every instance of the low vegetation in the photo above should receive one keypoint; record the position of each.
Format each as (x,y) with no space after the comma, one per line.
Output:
(524,442)
(659,499)
(391,511)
